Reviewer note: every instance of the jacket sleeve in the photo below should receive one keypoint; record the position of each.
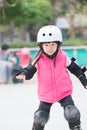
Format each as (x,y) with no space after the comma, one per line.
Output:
(78,72)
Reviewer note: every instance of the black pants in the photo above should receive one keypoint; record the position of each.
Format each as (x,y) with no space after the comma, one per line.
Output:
(44,106)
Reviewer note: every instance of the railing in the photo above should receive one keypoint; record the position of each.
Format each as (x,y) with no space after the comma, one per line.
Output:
(78,52)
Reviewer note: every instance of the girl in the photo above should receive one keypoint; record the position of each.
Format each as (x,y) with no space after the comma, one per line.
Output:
(54,83)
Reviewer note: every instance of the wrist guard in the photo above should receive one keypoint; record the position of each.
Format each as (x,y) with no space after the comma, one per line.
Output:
(29,71)
(78,72)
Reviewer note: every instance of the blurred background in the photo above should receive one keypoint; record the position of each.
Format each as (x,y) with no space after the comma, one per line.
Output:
(20,21)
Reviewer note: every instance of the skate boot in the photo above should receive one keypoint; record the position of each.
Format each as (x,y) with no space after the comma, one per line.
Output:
(77,128)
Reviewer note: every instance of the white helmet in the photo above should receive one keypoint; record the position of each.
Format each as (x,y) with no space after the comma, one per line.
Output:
(49,33)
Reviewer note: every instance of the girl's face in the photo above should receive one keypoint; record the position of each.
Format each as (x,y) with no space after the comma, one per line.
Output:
(49,48)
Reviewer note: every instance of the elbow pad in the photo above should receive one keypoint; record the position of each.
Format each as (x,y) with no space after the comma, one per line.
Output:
(29,71)
(75,69)
(78,72)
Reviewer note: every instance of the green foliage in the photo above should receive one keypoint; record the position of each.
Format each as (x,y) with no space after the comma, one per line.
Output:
(82,1)
(21,44)
(13,13)
(33,12)
(75,42)
(37,13)
(44,12)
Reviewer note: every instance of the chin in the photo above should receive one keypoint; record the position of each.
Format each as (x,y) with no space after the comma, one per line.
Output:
(50,54)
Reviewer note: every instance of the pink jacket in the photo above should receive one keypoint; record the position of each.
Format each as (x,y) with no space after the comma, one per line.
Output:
(53,80)
(24,59)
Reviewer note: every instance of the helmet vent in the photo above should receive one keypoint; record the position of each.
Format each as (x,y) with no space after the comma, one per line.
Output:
(50,34)
(43,34)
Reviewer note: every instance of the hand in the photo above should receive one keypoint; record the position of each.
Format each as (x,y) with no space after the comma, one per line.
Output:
(21,76)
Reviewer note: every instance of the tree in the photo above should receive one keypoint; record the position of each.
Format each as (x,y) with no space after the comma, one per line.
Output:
(69,9)
(38,13)
(32,14)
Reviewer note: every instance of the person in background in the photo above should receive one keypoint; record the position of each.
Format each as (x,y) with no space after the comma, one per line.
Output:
(54,83)
(24,57)
(5,66)
(4,52)
(15,59)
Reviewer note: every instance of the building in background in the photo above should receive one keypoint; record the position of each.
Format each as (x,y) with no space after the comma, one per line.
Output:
(80,26)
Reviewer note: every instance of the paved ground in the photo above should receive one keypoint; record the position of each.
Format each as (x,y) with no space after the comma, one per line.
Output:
(19,101)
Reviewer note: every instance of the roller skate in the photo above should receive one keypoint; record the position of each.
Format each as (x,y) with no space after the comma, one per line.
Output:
(77,128)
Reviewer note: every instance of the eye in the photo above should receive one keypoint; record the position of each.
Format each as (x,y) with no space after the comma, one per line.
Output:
(43,34)
(50,34)
(53,44)
(46,44)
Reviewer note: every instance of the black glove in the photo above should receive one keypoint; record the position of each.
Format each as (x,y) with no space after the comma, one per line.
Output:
(28,71)
(19,71)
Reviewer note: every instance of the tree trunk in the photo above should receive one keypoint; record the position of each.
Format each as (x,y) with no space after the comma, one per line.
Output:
(71,19)
(11,31)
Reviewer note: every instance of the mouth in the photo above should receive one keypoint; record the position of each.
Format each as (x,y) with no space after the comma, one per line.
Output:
(51,53)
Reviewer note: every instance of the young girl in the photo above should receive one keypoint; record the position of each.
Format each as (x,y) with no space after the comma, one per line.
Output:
(54,83)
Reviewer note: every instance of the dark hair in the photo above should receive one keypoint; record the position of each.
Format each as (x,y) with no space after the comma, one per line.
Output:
(36,58)
(4,47)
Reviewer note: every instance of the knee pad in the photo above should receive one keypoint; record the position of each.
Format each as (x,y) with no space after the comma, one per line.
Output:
(41,117)
(71,113)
